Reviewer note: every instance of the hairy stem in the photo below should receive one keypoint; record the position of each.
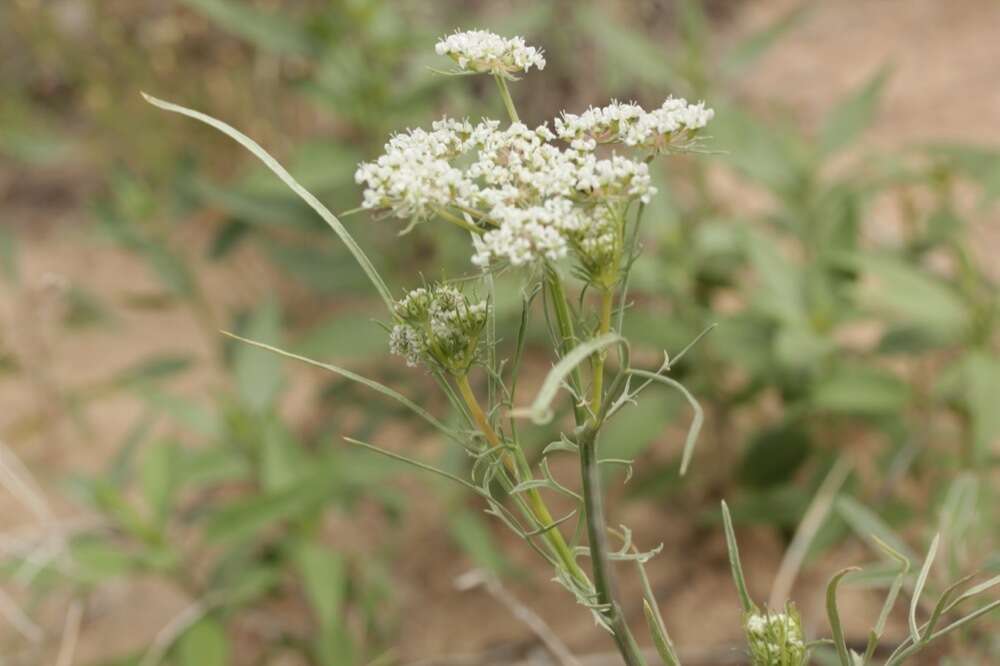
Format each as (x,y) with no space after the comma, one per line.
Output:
(519,470)
(596,534)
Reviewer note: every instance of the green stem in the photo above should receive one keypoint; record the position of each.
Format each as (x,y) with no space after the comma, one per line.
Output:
(597,360)
(517,465)
(507,101)
(567,337)
(596,534)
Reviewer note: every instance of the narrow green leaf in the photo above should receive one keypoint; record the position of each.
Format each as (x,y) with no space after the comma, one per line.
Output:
(287,178)
(869,527)
(204,644)
(158,478)
(919,588)
(853,115)
(751,48)
(370,383)
(734,561)
(268,30)
(660,639)
(258,374)
(833,614)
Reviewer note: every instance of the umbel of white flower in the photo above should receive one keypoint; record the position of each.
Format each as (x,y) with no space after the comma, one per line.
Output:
(530,195)
(485,52)
(775,639)
(439,327)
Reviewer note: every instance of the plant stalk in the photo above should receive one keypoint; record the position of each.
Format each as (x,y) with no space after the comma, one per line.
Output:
(517,465)
(567,337)
(596,535)
(507,101)
(597,360)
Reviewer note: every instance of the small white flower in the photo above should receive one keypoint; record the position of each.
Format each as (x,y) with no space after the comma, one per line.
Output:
(630,124)
(486,52)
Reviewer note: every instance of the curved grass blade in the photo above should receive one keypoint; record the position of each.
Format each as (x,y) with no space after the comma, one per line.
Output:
(833,614)
(418,465)
(287,179)
(919,588)
(734,561)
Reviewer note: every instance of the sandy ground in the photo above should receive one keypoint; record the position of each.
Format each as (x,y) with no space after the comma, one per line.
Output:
(946,84)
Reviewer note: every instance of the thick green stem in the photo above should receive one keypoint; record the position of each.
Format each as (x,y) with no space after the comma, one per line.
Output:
(597,536)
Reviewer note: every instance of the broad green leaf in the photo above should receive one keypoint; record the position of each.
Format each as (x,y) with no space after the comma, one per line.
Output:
(861,390)
(272,31)
(191,413)
(97,559)
(283,462)
(258,373)
(773,456)
(627,54)
(210,465)
(852,115)
(324,580)
(154,369)
(245,518)
(347,335)
(909,295)
(204,644)
(752,47)
(974,382)
(158,478)
(637,426)
(765,153)
(470,531)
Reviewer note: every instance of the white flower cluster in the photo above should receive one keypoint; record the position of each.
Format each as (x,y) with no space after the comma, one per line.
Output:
(485,52)
(630,124)
(533,198)
(775,638)
(439,326)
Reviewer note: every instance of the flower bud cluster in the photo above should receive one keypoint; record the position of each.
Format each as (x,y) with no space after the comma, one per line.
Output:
(675,122)
(775,639)
(485,52)
(439,326)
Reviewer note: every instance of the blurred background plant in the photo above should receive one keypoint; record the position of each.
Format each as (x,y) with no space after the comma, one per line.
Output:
(855,299)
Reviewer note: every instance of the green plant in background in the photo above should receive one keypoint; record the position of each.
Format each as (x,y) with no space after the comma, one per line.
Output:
(527,204)
(776,639)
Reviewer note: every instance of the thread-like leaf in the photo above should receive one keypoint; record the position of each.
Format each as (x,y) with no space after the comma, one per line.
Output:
(347,374)
(734,561)
(303,193)
(699,415)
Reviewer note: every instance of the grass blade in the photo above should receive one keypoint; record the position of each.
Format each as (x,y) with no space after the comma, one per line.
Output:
(370,383)
(833,614)
(734,561)
(919,588)
(303,193)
